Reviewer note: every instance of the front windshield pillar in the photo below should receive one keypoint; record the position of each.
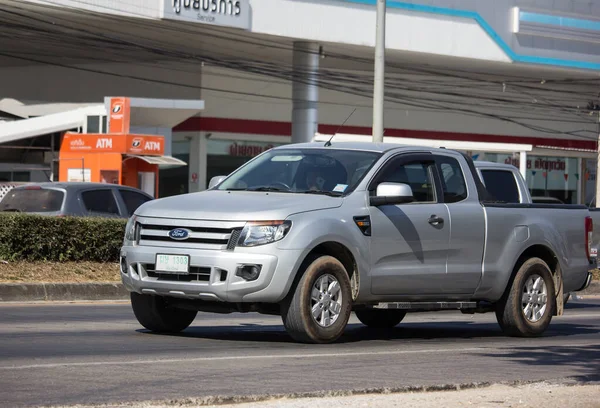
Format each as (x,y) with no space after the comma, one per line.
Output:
(305,91)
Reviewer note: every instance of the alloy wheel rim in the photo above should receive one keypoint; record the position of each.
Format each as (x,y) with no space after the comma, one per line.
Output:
(534,299)
(326,300)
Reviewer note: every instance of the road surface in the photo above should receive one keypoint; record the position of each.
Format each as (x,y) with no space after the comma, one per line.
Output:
(86,353)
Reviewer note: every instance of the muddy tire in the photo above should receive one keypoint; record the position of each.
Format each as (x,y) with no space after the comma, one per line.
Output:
(527,307)
(319,308)
(154,314)
(380,319)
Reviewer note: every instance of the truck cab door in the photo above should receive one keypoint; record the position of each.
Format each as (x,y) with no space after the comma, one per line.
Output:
(409,242)
(467,226)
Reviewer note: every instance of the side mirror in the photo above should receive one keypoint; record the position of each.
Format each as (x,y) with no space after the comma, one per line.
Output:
(392,193)
(215,181)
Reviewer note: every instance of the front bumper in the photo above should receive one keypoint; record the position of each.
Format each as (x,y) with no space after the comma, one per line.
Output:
(219,281)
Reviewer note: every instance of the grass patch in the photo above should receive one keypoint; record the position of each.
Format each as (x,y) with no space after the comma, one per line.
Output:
(55,272)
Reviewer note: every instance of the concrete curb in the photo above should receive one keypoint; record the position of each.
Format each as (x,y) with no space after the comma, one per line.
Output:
(31,292)
(28,292)
(257,398)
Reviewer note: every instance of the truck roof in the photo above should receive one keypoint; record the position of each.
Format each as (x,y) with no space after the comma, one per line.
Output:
(365,146)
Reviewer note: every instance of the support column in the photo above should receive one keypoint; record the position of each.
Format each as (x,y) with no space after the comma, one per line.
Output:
(523,165)
(305,92)
(197,163)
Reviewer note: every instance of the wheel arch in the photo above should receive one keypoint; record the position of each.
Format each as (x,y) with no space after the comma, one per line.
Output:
(337,250)
(548,255)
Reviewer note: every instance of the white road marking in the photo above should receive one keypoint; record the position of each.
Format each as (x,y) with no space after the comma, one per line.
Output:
(234,358)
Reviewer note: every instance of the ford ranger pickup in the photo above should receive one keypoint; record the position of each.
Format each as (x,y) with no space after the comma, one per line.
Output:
(313,232)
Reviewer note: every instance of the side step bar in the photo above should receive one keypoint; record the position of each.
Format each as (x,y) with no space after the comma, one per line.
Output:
(426,306)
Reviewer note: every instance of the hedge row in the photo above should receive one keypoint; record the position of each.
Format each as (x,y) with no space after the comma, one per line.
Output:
(25,237)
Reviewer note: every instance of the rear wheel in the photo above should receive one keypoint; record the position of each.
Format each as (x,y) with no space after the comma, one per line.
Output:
(320,306)
(154,314)
(526,310)
(380,319)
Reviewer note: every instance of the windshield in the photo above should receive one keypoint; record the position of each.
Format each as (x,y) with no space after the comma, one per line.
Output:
(319,171)
(41,200)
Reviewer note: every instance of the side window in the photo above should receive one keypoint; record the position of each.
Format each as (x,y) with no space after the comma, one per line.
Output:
(418,175)
(100,201)
(133,200)
(502,185)
(453,180)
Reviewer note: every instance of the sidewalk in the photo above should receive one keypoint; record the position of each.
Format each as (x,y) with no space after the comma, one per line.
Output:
(534,395)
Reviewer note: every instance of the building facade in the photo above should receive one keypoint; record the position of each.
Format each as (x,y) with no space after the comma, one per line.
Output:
(272,72)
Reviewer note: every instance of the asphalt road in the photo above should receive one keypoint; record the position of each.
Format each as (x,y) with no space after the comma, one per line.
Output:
(97,353)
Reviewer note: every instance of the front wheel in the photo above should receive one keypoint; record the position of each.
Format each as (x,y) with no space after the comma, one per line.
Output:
(154,314)
(320,306)
(526,310)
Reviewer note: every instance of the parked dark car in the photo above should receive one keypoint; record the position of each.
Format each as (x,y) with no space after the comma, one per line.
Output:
(74,199)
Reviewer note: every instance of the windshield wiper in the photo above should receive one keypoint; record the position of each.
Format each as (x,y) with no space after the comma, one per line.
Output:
(322,192)
(267,188)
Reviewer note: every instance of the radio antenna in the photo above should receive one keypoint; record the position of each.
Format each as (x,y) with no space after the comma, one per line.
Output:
(328,143)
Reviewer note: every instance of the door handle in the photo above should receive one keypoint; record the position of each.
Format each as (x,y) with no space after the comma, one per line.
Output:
(435,220)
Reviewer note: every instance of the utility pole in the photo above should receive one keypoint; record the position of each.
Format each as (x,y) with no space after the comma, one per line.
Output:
(597,201)
(379,83)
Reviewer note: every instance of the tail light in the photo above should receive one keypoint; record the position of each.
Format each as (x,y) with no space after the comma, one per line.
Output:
(589,230)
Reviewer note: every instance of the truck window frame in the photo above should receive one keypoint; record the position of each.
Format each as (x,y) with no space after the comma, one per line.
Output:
(512,175)
(445,159)
(405,158)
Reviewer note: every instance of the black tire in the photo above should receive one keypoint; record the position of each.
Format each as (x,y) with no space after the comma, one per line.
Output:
(154,314)
(380,319)
(509,310)
(297,309)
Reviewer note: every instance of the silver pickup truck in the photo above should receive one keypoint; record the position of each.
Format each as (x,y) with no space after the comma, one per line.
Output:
(312,232)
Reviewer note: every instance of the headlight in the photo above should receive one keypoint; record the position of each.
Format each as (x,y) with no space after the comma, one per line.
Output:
(130,229)
(263,232)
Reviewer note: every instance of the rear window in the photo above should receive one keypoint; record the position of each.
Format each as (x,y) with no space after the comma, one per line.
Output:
(502,185)
(100,201)
(42,200)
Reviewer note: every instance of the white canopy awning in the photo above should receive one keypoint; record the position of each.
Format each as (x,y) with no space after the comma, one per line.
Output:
(43,125)
(164,162)
(449,144)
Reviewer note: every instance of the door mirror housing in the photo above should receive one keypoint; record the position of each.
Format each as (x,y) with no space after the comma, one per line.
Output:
(215,181)
(392,193)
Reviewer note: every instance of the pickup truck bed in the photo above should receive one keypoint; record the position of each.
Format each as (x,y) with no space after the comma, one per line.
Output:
(313,232)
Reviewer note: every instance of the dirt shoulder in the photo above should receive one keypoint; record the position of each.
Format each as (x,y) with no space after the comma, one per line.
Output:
(536,395)
(54,272)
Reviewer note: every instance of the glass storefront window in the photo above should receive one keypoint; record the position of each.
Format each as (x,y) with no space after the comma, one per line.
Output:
(175,181)
(225,156)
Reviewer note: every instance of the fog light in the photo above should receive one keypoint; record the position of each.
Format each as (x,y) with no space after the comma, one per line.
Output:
(124,265)
(249,272)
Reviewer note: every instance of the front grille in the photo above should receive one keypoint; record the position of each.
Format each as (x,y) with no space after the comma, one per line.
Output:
(189,240)
(196,274)
(203,234)
(233,240)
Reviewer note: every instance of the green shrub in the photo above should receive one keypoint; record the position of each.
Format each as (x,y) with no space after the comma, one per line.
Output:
(42,238)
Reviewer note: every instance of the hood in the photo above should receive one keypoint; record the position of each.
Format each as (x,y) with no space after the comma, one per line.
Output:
(236,205)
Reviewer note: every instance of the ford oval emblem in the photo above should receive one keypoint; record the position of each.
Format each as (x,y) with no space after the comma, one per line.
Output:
(179,234)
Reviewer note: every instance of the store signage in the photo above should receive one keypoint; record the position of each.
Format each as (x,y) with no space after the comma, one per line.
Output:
(120,114)
(125,144)
(539,164)
(227,13)
(248,150)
